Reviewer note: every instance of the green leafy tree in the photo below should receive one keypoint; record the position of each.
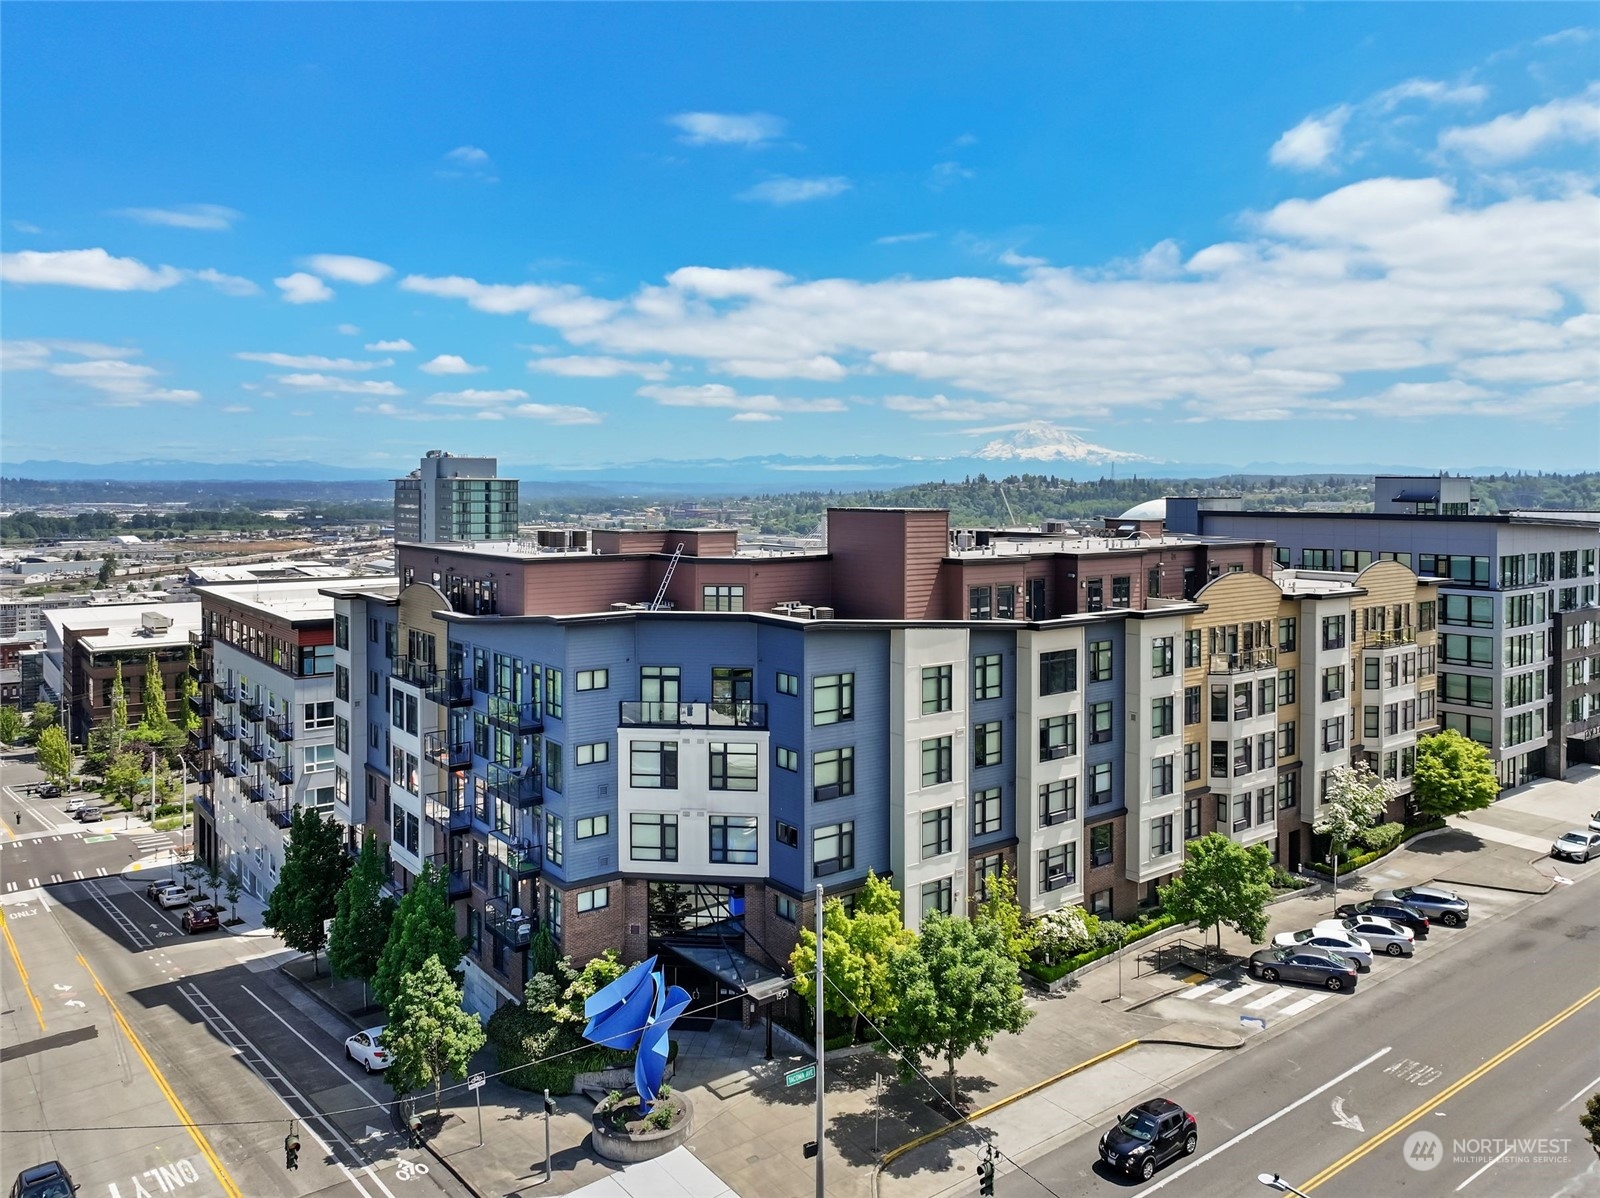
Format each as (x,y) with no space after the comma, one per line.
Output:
(856,952)
(1454,774)
(1000,908)
(365,915)
(233,886)
(958,988)
(424,926)
(43,714)
(123,780)
(307,892)
(108,569)
(54,754)
(154,699)
(1222,883)
(13,729)
(188,691)
(119,711)
(543,953)
(1590,1122)
(1356,798)
(429,1036)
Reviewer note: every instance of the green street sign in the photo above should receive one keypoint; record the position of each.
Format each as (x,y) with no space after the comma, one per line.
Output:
(798,1076)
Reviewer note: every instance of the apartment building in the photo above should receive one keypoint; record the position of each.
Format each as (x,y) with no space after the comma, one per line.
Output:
(85,645)
(1510,589)
(451,498)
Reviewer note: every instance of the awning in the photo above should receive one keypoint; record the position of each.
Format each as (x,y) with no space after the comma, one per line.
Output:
(734,969)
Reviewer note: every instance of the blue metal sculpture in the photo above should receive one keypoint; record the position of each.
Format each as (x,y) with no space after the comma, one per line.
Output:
(636,1012)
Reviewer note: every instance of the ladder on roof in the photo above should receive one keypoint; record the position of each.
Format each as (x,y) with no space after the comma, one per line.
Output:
(666,579)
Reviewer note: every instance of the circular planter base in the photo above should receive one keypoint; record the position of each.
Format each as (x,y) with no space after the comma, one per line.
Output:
(629,1148)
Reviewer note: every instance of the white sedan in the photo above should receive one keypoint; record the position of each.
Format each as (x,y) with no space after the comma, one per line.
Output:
(366,1049)
(173,896)
(1331,936)
(1383,934)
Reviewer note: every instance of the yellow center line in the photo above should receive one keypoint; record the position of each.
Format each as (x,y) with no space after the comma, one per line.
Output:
(195,1133)
(1448,1092)
(38,1011)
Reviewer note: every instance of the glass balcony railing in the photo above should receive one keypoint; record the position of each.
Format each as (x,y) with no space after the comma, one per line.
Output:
(445,753)
(716,714)
(450,810)
(519,788)
(509,924)
(520,716)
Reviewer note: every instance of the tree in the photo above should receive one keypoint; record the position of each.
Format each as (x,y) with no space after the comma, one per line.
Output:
(429,1035)
(307,892)
(108,568)
(1590,1122)
(856,952)
(1356,798)
(365,915)
(1065,932)
(188,691)
(154,698)
(233,885)
(123,779)
(1222,883)
(54,754)
(958,988)
(12,728)
(424,926)
(43,713)
(119,711)
(1454,774)
(1001,909)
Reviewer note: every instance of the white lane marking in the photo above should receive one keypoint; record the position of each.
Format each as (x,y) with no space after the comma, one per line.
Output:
(100,872)
(124,924)
(1270,1119)
(1589,1089)
(77,874)
(1233,996)
(1277,995)
(1202,989)
(1483,1170)
(1305,1004)
(313,1047)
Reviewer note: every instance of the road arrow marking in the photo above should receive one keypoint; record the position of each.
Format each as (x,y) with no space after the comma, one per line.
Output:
(1256,1019)
(1341,1119)
(74,1002)
(372,1134)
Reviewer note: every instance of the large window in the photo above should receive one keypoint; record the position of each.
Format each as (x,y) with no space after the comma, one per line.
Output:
(1288,634)
(986,744)
(936,689)
(1058,737)
(986,676)
(1161,843)
(1058,672)
(653,765)
(734,840)
(1458,650)
(938,832)
(657,684)
(735,766)
(1191,706)
(1058,802)
(1161,659)
(722,598)
(833,773)
(1058,867)
(1332,683)
(936,896)
(653,836)
(1161,717)
(938,761)
(593,680)
(1100,727)
(833,848)
(833,698)
(554,840)
(1100,661)
(1100,784)
(986,812)
(1101,845)
(979,603)
(1161,776)
(1333,632)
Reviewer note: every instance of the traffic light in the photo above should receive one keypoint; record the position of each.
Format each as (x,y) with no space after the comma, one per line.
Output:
(986,1176)
(291,1151)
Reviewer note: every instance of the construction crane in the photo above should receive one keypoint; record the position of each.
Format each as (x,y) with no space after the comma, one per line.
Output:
(666,579)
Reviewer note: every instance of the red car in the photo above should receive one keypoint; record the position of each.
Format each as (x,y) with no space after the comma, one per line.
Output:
(201,919)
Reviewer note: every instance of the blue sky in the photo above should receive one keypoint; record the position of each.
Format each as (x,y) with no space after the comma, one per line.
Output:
(579,234)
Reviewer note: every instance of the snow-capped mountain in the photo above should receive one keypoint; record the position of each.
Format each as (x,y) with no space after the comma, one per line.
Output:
(1040,441)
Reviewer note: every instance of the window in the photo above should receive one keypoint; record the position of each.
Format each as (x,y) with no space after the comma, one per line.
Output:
(787,834)
(590,826)
(317,660)
(1286,739)
(1058,802)
(593,680)
(734,840)
(1100,784)
(553,775)
(1121,591)
(788,684)
(1058,672)
(986,812)
(938,832)
(1100,661)
(722,598)
(735,766)
(1161,660)
(658,684)
(833,698)
(1191,819)
(986,676)
(1458,650)
(1191,648)
(787,759)
(1058,737)
(597,899)
(1332,683)
(1161,777)
(1058,867)
(1474,611)
(986,743)
(1161,843)
(833,848)
(978,603)
(1101,845)
(316,715)
(1191,763)
(653,837)
(1470,690)
(1285,686)
(785,908)
(1333,632)
(1100,729)
(315,759)
(1152,586)
(936,897)
(1316,559)
(1095,595)
(653,764)
(1288,634)
(341,683)
(983,869)
(554,846)
(593,754)
(936,689)
(1370,720)
(1005,601)
(1161,717)
(1191,706)
(1333,733)
(833,773)
(938,763)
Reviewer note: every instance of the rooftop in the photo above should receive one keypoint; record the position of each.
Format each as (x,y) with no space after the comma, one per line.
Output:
(126,624)
(265,572)
(299,599)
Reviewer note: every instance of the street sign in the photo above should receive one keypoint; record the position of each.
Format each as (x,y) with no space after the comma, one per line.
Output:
(475,1082)
(798,1076)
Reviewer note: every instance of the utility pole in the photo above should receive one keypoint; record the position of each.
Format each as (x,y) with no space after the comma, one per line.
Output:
(820,1037)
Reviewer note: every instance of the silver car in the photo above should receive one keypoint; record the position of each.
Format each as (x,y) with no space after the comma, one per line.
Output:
(1448,907)
(1577,846)
(1383,934)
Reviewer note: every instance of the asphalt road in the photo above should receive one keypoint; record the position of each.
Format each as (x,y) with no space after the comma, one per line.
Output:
(1463,1073)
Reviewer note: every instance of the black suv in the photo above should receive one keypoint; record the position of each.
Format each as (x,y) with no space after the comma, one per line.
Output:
(1149,1136)
(1393,910)
(49,1180)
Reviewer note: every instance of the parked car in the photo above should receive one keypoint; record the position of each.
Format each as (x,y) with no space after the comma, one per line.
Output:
(157,885)
(1149,1136)
(366,1049)
(1577,846)
(50,790)
(1403,914)
(1379,932)
(1594,822)
(89,815)
(1329,934)
(201,919)
(49,1180)
(173,896)
(1448,907)
(1319,966)
(75,804)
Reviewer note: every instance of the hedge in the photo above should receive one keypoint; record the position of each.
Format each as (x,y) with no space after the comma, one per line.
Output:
(1051,973)
(1357,862)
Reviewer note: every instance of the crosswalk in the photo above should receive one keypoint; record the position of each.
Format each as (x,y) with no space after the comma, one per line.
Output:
(76,875)
(1226,993)
(149,843)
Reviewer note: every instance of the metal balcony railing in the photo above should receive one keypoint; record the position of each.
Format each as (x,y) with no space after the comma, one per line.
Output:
(280,728)
(521,858)
(514,715)
(413,670)
(226,729)
(200,704)
(281,814)
(509,924)
(720,714)
(1388,638)
(451,691)
(282,770)
(254,751)
(458,883)
(255,790)
(199,638)
(252,709)
(225,692)
(445,753)
(229,767)
(520,788)
(450,810)
(1245,661)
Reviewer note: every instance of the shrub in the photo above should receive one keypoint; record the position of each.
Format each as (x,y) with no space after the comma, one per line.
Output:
(660,1118)
(1382,838)
(1407,831)
(1282,879)
(1134,932)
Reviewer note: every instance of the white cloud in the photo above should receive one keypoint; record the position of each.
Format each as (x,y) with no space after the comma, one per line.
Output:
(940,407)
(583,366)
(398,346)
(450,364)
(25,226)
(327,382)
(556,413)
(782,189)
(309,361)
(562,307)
(754,417)
(471,163)
(347,268)
(726,128)
(1513,136)
(123,384)
(235,409)
(476,399)
(36,354)
(1312,142)
(947,174)
(347,330)
(211,217)
(1012,258)
(468,156)
(301,288)
(720,395)
(819,368)
(94,269)
(901,238)
(1432,91)
(227,284)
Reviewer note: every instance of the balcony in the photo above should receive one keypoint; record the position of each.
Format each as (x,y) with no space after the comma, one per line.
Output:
(282,770)
(450,810)
(445,753)
(520,788)
(255,751)
(199,742)
(514,715)
(229,767)
(521,858)
(280,728)
(200,704)
(203,803)
(1245,661)
(225,692)
(508,924)
(1388,638)
(458,884)
(281,814)
(255,790)
(226,730)
(727,714)
(450,691)
(253,710)
(414,671)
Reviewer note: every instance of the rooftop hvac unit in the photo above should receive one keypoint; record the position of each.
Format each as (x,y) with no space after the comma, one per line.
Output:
(822,613)
(1059,528)
(621,606)
(154,623)
(784,608)
(800,611)
(965,539)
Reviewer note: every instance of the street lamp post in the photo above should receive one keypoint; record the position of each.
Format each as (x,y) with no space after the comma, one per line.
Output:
(1274,1182)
